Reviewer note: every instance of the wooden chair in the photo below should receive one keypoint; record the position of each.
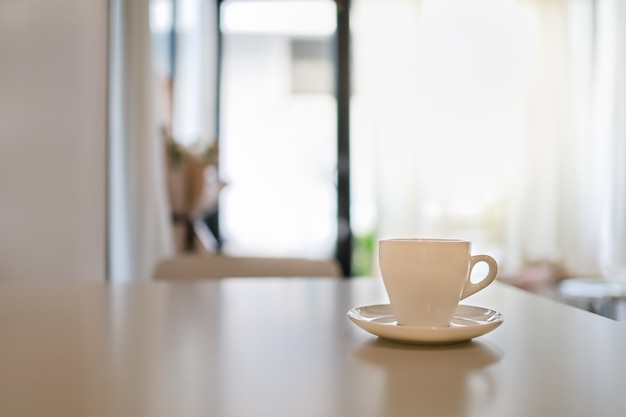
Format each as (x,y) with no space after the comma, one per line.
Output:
(211,266)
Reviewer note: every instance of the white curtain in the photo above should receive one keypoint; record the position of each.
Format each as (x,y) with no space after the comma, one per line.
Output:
(139,218)
(609,135)
(552,218)
(473,119)
(195,76)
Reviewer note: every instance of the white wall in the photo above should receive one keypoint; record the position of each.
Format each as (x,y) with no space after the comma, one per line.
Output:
(53,57)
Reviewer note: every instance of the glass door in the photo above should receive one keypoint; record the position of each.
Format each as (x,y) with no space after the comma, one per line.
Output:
(278,128)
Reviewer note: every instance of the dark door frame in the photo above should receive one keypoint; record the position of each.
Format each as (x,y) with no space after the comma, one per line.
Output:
(342,56)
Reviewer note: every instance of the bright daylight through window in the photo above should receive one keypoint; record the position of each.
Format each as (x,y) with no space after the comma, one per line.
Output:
(472,119)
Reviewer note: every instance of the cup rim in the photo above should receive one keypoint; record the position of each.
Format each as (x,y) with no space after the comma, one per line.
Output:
(423,240)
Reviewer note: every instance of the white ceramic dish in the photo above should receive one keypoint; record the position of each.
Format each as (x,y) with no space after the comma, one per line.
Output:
(468,322)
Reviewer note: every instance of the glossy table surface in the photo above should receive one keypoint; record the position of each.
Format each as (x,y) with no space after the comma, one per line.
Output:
(284,347)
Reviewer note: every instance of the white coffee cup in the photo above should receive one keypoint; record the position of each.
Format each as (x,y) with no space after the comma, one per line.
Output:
(426,278)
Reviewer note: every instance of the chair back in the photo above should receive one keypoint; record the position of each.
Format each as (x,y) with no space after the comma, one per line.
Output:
(210,266)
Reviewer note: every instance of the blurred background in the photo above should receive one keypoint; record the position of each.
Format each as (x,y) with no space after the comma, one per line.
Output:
(132,131)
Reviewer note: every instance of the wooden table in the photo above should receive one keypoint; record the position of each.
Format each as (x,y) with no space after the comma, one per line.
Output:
(284,347)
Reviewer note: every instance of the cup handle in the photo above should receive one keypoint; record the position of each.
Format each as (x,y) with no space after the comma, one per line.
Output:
(472,288)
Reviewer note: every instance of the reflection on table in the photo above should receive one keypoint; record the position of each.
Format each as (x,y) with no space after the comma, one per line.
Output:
(284,347)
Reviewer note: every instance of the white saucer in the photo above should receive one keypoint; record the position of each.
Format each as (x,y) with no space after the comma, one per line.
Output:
(468,322)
